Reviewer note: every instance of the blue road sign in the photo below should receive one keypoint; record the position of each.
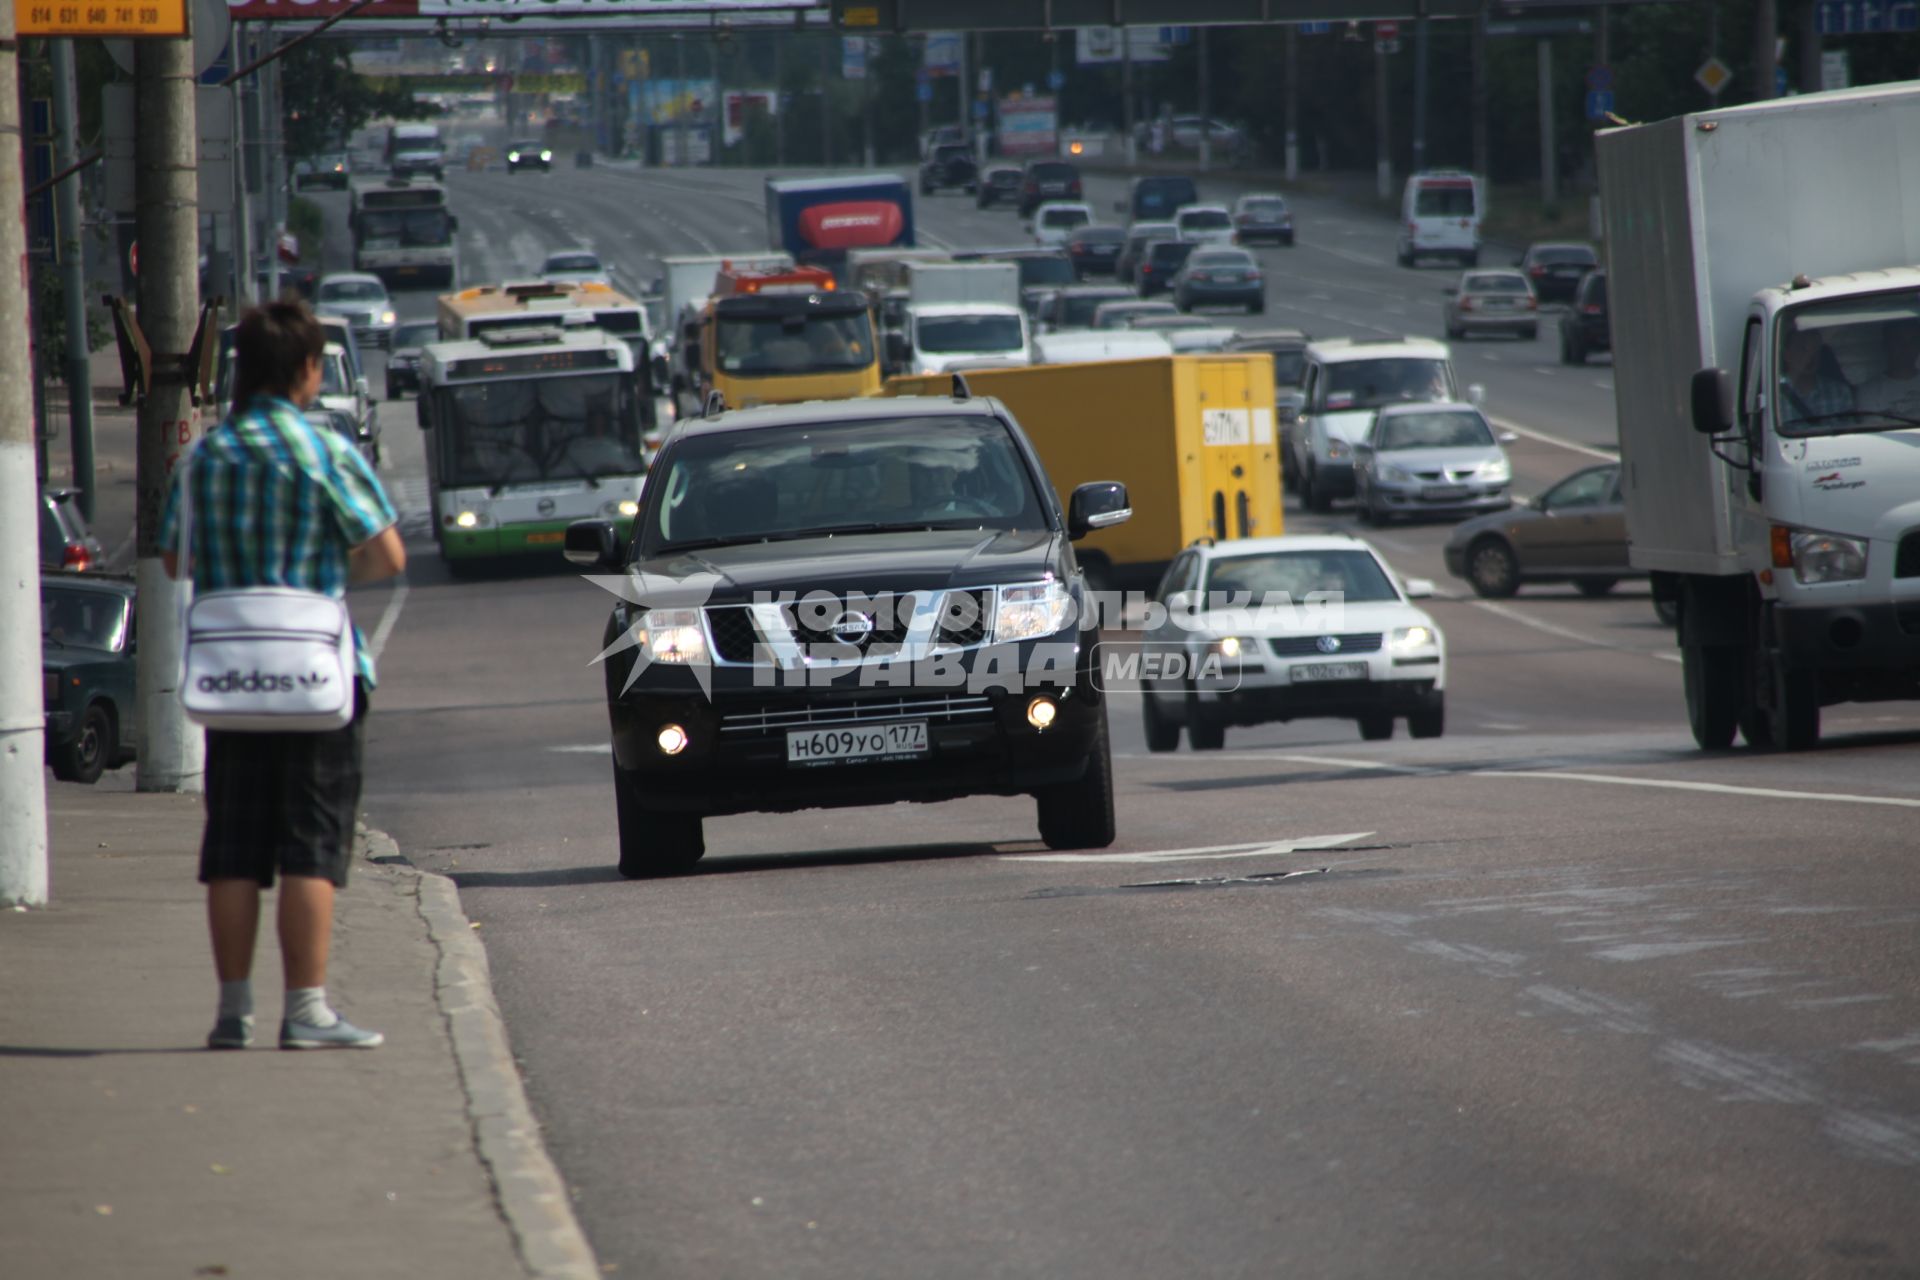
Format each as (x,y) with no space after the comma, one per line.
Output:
(222,66)
(1055,79)
(1599,102)
(1599,78)
(1315,28)
(1779,82)
(923,90)
(979,108)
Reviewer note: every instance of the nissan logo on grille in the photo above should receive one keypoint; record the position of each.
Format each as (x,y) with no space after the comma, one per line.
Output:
(852,628)
(1327,644)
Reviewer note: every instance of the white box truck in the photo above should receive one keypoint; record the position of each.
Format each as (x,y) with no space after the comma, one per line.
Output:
(962,315)
(1766,329)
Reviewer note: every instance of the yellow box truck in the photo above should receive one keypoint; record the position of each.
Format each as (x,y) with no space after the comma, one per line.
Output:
(1191,436)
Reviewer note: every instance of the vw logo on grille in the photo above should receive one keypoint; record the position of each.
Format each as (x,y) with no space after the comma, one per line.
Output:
(851,627)
(544,506)
(1327,644)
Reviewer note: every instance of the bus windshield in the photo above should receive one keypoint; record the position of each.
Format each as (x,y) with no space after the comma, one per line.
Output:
(392,228)
(782,345)
(516,431)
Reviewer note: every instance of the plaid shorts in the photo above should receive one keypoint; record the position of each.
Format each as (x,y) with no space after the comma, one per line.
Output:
(283,802)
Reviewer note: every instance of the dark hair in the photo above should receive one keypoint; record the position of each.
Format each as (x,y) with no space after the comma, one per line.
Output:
(271,347)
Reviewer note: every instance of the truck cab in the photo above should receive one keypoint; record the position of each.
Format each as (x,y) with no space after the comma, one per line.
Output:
(962,315)
(785,336)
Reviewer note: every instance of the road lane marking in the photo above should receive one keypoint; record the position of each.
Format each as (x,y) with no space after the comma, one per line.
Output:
(1202,853)
(389,616)
(1712,788)
(1543,437)
(585,749)
(1565,633)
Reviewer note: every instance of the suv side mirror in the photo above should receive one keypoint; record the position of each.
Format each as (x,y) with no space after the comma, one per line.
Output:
(1100,504)
(1476,395)
(1419,588)
(1712,393)
(591,544)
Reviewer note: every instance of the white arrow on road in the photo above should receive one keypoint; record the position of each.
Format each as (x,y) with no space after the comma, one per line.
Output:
(1202,853)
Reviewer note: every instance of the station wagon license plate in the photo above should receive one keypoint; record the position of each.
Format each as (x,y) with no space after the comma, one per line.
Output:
(857,744)
(1444,492)
(1311,671)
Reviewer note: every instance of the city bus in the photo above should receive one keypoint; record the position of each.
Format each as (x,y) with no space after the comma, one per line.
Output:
(472,312)
(528,429)
(402,231)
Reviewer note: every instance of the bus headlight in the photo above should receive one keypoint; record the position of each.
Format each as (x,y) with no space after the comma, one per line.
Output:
(466,520)
(623,508)
(672,635)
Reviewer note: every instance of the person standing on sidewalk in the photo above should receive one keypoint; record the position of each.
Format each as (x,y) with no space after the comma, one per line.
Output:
(277,502)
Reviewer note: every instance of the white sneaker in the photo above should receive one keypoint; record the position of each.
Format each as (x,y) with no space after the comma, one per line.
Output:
(341,1035)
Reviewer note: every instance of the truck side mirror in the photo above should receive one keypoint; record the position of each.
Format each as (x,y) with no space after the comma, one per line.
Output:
(1476,394)
(1100,504)
(420,412)
(1712,402)
(899,351)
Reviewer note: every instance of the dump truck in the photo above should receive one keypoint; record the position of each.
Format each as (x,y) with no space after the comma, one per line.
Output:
(1192,438)
(1766,334)
(782,337)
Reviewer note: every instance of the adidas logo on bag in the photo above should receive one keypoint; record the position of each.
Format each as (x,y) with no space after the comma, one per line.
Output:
(261,682)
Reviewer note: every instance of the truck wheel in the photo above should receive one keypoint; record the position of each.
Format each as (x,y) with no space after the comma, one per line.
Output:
(1492,569)
(1794,724)
(1429,721)
(651,843)
(1594,588)
(1668,611)
(1711,676)
(83,757)
(1079,815)
(1162,734)
(1376,726)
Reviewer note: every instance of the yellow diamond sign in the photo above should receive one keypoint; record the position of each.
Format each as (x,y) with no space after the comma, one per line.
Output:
(1713,76)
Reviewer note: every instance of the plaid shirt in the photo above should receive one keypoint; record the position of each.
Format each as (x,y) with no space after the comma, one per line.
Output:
(278,503)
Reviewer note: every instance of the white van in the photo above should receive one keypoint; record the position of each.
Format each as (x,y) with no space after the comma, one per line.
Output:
(1440,213)
(1057,220)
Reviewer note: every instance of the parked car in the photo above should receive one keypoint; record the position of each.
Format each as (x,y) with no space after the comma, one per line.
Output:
(361,300)
(1262,217)
(1094,249)
(86,671)
(1556,269)
(528,154)
(1220,278)
(1000,184)
(1160,263)
(1574,532)
(403,366)
(955,507)
(1204,224)
(1126,267)
(1055,222)
(949,165)
(1120,314)
(329,169)
(1240,604)
(1154,198)
(1420,460)
(574,266)
(1491,301)
(1045,180)
(1585,326)
(66,541)
(1073,307)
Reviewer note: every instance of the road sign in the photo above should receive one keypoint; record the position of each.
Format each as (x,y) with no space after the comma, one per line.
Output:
(1779,82)
(1386,46)
(1836,71)
(1713,76)
(1599,103)
(1056,79)
(1539,28)
(1865,17)
(74,18)
(1314,28)
(1385,30)
(1599,78)
(980,109)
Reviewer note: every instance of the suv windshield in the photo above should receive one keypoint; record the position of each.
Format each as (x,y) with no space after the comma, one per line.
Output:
(781,345)
(951,335)
(1354,576)
(1058,218)
(1368,384)
(1850,365)
(519,430)
(1075,310)
(797,481)
(1267,208)
(1153,196)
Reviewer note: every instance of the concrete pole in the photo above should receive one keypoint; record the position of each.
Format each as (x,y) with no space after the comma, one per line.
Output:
(1807,37)
(680,111)
(166,219)
(1293,103)
(23,787)
(1126,95)
(1420,25)
(73,273)
(1549,192)
(1206,132)
(1382,143)
(1766,47)
(866,101)
(273,167)
(828,47)
(242,206)
(966,87)
(1482,137)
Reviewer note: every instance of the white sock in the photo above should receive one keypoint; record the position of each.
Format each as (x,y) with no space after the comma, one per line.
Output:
(236,999)
(308,1006)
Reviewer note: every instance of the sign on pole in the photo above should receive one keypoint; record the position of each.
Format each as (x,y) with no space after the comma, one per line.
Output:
(1713,76)
(94,18)
(1599,103)
(1599,79)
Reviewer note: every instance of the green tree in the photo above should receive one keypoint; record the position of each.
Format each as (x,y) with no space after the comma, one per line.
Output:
(326,100)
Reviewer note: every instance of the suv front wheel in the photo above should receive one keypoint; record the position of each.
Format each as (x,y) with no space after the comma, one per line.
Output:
(654,843)
(1079,814)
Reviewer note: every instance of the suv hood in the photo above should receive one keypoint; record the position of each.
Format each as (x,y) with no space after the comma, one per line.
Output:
(873,563)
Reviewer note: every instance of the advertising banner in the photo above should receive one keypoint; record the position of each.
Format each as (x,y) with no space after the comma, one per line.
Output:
(942,56)
(1029,126)
(738,106)
(667,100)
(1100,46)
(306,10)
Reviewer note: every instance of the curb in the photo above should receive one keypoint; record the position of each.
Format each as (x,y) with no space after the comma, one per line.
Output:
(531,1194)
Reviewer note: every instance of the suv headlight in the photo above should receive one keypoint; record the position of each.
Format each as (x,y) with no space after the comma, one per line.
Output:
(1336,449)
(1407,639)
(672,635)
(1031,610)
(1235,647)
(387,317)
(1828,557)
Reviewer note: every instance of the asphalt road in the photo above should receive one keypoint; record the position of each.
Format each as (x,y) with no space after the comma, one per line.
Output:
(1557,996)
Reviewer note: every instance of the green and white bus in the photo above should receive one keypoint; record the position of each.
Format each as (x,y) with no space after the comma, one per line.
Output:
(529,429)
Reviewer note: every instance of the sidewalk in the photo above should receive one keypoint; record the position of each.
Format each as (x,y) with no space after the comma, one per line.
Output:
(129,1150)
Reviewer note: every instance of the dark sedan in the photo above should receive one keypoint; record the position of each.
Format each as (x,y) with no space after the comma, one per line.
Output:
(1073,307)
(1574,532)
(1584,327)
(1000,184)
(1094,250)
(1220,278)
(1555,269)
(1262,217)
(1160,262)
(950,164)
(403,366)
(86,671)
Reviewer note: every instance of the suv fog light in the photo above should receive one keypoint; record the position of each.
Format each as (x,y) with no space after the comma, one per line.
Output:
(1040,712)
(672,740)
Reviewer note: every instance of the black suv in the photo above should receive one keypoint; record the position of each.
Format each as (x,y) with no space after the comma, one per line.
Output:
(999,182)
(1046,180)
(850,603)
(1584,327)
(86,672)
(950,164)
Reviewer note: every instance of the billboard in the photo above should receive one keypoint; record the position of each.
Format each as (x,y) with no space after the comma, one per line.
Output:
(304,10)
(666,100)
(1029,126)
(943,52)
(737,106)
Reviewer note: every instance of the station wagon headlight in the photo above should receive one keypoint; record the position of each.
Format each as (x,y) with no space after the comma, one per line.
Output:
(1498,471)
(387,317)
(672,635)
(1395,475)
(1407,639)
(1029,611)
(1828,557)
(1232,646)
